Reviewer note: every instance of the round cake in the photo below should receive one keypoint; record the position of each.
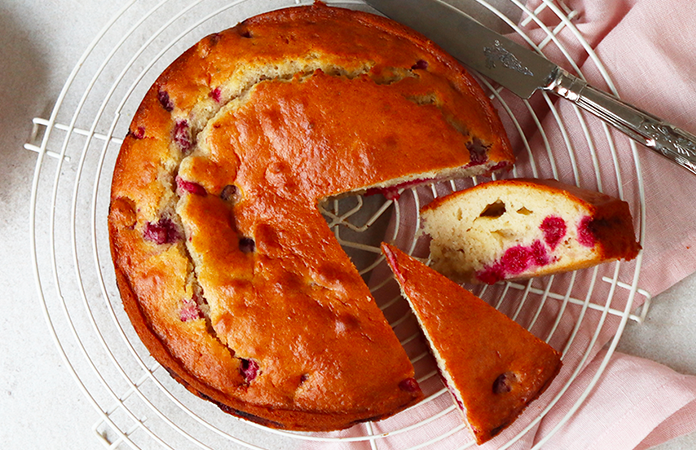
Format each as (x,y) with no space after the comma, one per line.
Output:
(522,228)
(227,270)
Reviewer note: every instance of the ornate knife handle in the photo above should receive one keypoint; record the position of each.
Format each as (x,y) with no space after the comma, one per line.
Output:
(668,140)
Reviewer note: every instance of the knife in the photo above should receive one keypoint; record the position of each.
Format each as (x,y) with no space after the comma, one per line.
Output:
(523,72)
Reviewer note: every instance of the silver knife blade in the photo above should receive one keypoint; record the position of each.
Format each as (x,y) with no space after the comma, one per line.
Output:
(487,52)
(522,71)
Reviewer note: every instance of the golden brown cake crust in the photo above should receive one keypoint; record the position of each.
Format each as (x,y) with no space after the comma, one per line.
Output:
(228,272)
(493,367)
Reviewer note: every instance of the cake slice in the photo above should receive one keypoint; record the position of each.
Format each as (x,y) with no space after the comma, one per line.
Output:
(492,366)
(521,228)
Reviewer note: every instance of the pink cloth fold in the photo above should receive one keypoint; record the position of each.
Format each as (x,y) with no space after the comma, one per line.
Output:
(647,49)
(637,404)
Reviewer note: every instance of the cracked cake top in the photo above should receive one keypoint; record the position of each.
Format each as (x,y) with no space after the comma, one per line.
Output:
(229,273)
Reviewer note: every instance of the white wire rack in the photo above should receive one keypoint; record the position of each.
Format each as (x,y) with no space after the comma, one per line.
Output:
(140,406)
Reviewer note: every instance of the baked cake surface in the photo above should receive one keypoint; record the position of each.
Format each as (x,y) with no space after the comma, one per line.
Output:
(491,365)
(520,228)
(227,270)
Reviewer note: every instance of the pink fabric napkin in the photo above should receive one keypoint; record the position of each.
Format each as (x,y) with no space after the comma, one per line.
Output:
(647,49)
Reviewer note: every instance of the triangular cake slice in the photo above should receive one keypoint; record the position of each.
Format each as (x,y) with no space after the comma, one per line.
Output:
(492,366)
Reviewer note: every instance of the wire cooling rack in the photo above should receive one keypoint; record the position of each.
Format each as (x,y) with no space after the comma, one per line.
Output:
(140,406)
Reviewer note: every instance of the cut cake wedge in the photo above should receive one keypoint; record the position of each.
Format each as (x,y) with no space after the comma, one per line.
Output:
(521,228)
(492,366)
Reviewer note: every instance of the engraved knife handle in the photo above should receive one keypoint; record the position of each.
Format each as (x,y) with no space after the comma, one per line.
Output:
(668,140)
